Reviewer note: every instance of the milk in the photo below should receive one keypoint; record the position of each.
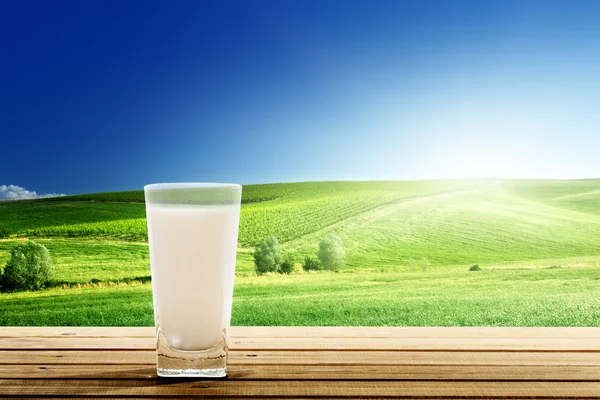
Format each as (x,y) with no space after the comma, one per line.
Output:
(192,255)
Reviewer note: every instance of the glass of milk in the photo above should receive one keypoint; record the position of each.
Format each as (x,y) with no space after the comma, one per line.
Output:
(192,232)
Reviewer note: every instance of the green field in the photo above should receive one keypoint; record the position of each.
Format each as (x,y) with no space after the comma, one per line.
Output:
(409,248)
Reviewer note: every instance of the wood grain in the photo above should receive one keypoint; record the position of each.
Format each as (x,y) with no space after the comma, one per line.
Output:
(352,389)
(311,362)
(312,372)
(311,357)
(311,343)
(321,331)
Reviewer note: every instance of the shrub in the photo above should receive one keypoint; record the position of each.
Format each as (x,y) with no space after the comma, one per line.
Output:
(4,233)
(30,267)
(311,264)
(267,256)
(475,268)
(289,262)
(332,253)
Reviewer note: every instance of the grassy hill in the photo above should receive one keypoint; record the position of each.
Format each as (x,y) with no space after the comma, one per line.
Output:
(286,210)
(409,245)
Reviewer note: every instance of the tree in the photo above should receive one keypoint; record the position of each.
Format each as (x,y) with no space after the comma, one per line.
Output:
(30,267)
(332,253)
(289,262)
(268,256)
(311,264)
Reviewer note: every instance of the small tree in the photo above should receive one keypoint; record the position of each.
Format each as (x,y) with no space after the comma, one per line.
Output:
(30,267)
(332,253)
(475,267)
(289,262)
(311,264)
(267,256)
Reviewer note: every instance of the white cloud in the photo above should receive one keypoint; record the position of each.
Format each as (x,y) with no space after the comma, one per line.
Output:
(13,192)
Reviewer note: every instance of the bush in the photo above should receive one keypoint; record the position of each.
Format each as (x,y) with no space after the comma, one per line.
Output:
(30,267)
(332,253)
(4,233)
(311,264)
(267,256)
(475,268)
(288,265)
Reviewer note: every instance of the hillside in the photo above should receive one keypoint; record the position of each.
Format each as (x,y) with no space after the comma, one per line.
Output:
(409,246)
(489,224)
(288,210)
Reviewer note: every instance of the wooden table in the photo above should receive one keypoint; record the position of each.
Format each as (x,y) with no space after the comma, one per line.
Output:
(281,362)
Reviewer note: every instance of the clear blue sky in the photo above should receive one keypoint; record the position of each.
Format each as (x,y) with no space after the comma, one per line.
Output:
(103,96)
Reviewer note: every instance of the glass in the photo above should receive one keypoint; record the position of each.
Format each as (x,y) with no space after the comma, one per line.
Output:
(192,232)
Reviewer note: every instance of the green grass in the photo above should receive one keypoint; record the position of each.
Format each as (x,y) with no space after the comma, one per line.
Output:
(292,210)
(444,297)
(448,297)
(86,261)
(251,194)
(68,218)
(127,305)
(409,249)
(580,195)
(486,225)
(316,205)
(131,196)
(83,260)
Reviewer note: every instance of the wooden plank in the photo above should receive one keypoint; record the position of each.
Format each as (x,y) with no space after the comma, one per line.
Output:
(312,362)
(415,332)
(309,343)
(405,358)
(79,371)
(321,332)
(322,372)
(43,357)
(395,397)
(221,388)
(311,357)
(72,331)
(77,343)
(419,344)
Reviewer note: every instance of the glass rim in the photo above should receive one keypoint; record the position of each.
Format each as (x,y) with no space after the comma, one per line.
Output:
(192,185)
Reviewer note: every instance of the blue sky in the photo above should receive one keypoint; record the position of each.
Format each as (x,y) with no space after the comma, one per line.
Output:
(102,96)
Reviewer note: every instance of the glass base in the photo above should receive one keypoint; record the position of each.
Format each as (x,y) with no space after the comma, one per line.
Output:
(192,373)
(174,363)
